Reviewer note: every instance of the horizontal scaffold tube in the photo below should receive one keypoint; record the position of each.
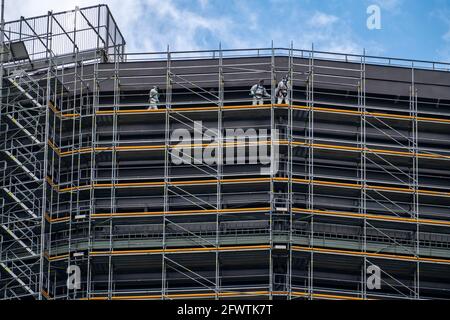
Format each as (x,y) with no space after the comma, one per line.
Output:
(166,251)
(318,250)
(206,182)
(424,155)
(161,213)
(268,106)
(179,212)
(231,294)
(377,217)
(370,254)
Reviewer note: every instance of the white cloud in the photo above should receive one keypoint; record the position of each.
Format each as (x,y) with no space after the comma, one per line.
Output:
(29,8)
(183,29)
(390,5)
(151,25)
(147,25)
(321,19)
(123,11)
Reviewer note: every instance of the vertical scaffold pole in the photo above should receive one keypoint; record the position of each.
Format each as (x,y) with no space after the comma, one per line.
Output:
(95,104)
(220,138)
(45,164)
(166,169)
(272,200)
(310,99)
(415,178)
(74,197)
(290,165)
(363,200)
(113,175)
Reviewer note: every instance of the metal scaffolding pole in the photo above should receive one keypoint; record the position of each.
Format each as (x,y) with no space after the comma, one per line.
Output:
(363,169)
(220,163)
(310,141)
(93,175)
(167,152)
(415,176)
(290,200)
(272,278)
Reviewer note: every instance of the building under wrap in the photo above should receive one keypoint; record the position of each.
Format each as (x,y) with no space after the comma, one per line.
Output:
(358,177)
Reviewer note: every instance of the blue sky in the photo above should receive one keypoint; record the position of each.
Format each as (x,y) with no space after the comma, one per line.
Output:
(415,29)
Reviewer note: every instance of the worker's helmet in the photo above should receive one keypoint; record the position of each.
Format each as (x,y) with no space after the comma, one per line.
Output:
(156,88)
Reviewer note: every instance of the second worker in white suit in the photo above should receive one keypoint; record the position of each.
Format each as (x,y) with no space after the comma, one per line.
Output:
(259,92)
(282,92)
(153,98)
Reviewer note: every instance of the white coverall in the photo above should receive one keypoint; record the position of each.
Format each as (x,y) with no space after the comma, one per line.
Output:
(258,92)
(153,99)
(282,92)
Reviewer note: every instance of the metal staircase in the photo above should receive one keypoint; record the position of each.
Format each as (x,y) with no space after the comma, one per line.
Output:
(22,148)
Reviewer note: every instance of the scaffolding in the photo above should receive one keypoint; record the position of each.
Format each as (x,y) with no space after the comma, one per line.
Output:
(89,177)
(36,54)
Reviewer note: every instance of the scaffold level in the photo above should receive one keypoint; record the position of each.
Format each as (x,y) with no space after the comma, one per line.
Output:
(88,177)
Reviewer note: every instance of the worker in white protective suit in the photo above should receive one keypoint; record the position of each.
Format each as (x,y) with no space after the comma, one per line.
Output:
(282,91)
(259,92)
(154,98)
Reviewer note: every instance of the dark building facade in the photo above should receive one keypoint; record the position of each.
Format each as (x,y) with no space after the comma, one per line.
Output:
(353,202)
